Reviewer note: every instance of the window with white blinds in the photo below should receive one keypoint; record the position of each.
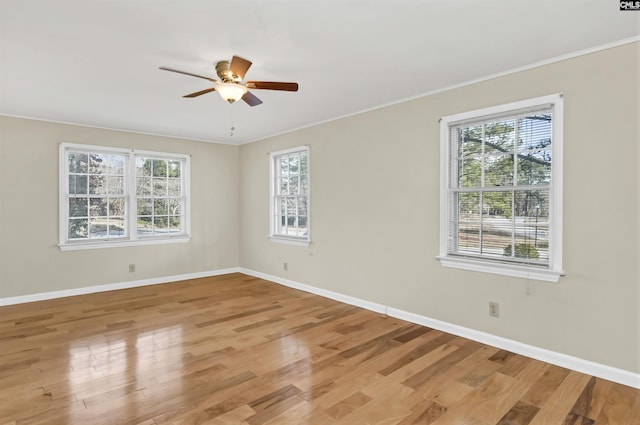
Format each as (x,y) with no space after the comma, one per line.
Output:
(501,189)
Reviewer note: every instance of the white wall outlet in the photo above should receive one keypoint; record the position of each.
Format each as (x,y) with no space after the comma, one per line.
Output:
(132,268)
(494,309)
(285,266)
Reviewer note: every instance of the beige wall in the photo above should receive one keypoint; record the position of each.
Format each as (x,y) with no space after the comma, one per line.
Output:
(31,262)
(375,212)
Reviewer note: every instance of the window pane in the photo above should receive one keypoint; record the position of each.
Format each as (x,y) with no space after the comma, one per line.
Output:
(98,207)
(175,188)
(98,228)
(159,168)
(143,186)
(98,163)
(499,137)
(532,204)
(116,185)
(145,225)
(534,167)
(294,164)
(291,208)
(469,172)
(78,228)
(469,206)
(498,170)
(535,132)
(469,156)
(175,168)
(116,227)
(159,187)
(496,205)
(97,185)
(496,235)
(302,205)
(303,164)
(143,167)
(468,238)
(175,224)
(78,162)
(116,165)
(174,207)
(77,184)
(159,207)
(534,149)
(145,206)
(282,207)
(78,207)
(284,186)
(160,224)
(284,166)
(294,186)
(304,184)
(116,207)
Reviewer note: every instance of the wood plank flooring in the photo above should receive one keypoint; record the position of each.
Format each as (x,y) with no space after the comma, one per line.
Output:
(240,350)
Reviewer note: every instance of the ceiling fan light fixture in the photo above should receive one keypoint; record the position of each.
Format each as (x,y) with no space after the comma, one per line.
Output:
(231,92)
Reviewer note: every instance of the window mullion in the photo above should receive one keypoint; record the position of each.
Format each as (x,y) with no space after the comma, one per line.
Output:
(131,199)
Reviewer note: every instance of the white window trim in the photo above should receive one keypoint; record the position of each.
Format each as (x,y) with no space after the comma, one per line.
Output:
(304,241)
(554,270)
(130,202)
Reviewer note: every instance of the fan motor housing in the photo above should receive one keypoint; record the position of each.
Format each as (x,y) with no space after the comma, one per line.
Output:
(224,72)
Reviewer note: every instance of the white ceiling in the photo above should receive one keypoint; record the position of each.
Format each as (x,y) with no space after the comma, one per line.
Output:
(95,62)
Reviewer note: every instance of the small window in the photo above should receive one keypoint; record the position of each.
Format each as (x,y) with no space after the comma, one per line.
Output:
(290,188)
(112,197)
(501,189)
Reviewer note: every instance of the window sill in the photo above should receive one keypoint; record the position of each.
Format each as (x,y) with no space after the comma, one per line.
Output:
(104,243)
(290,241)
(512,270)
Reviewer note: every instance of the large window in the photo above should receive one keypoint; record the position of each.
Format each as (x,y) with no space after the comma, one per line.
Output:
(501,199)
(290,195)
(113,197)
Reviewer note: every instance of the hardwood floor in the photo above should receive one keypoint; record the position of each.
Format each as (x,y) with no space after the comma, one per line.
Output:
(240,350)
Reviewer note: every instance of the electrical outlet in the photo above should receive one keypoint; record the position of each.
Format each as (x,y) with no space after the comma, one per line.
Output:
(285,266)
(494,309)
(132,268)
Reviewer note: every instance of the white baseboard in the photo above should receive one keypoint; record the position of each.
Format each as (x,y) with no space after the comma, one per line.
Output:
(111,287)
(368,305)
(620,376)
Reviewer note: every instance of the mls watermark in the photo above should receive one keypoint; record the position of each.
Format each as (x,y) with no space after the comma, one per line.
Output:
(630,5)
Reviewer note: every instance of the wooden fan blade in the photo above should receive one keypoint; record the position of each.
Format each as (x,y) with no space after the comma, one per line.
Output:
(164,68)
(251,99)
(239,66)
(272,85)
(201,92)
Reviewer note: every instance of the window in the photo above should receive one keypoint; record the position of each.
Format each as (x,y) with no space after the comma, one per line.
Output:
(290,196)
(501,189)
(113,197)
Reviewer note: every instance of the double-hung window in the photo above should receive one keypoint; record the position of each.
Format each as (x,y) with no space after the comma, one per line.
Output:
(113,197)
(501,189)
(289,209)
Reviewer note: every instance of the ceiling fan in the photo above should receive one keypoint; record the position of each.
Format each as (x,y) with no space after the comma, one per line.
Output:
(230,86)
